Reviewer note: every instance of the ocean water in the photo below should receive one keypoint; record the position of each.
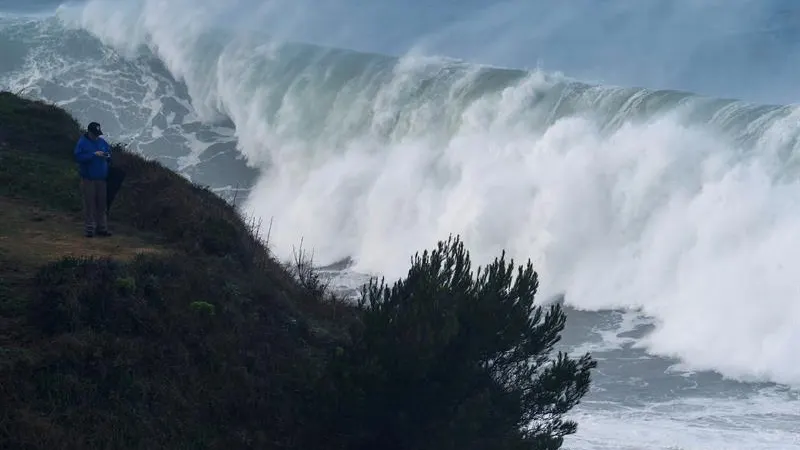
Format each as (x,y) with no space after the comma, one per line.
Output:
(644,155)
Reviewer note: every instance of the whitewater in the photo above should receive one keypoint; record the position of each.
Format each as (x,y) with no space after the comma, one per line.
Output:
(666,216)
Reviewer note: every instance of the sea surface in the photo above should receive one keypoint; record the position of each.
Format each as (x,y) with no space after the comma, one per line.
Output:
(643,154)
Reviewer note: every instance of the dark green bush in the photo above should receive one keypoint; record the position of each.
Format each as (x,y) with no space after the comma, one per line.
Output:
(448,359)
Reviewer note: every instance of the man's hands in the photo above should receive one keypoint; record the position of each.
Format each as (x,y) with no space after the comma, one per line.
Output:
(100,154)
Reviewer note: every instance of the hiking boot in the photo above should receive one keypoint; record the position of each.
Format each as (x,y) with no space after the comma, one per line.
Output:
(89,234)
(104,233)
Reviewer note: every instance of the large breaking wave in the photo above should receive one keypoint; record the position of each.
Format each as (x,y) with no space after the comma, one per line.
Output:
(684,208)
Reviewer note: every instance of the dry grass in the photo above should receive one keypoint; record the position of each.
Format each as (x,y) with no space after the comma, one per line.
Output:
(32,236)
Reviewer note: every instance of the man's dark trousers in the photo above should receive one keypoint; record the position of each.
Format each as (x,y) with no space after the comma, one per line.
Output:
(94,206)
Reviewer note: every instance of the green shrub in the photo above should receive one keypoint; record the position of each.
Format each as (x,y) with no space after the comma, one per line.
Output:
(125,285)
(203,308)
(448,359)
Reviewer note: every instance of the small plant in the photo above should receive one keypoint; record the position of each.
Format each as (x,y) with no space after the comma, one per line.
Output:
(203,308)
(125,285)
(302,267)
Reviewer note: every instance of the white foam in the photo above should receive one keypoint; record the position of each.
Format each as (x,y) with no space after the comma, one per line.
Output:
(765,421)
(657,216)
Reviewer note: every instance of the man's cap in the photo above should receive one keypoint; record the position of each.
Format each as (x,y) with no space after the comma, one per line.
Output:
(94,128)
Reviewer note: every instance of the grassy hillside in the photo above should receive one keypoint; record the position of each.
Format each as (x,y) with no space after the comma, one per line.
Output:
(178,332)
(182,332)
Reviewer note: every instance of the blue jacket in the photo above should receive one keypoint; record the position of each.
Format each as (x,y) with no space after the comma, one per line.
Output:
(91,166)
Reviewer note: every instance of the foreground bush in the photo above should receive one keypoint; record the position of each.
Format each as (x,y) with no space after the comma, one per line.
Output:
(448,359)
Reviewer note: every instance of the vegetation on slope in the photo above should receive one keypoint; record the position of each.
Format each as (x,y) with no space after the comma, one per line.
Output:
(200,339)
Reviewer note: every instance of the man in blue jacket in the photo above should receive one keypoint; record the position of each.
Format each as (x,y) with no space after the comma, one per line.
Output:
(92,153)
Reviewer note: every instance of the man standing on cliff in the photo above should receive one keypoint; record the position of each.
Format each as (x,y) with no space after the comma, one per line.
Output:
(92,153)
